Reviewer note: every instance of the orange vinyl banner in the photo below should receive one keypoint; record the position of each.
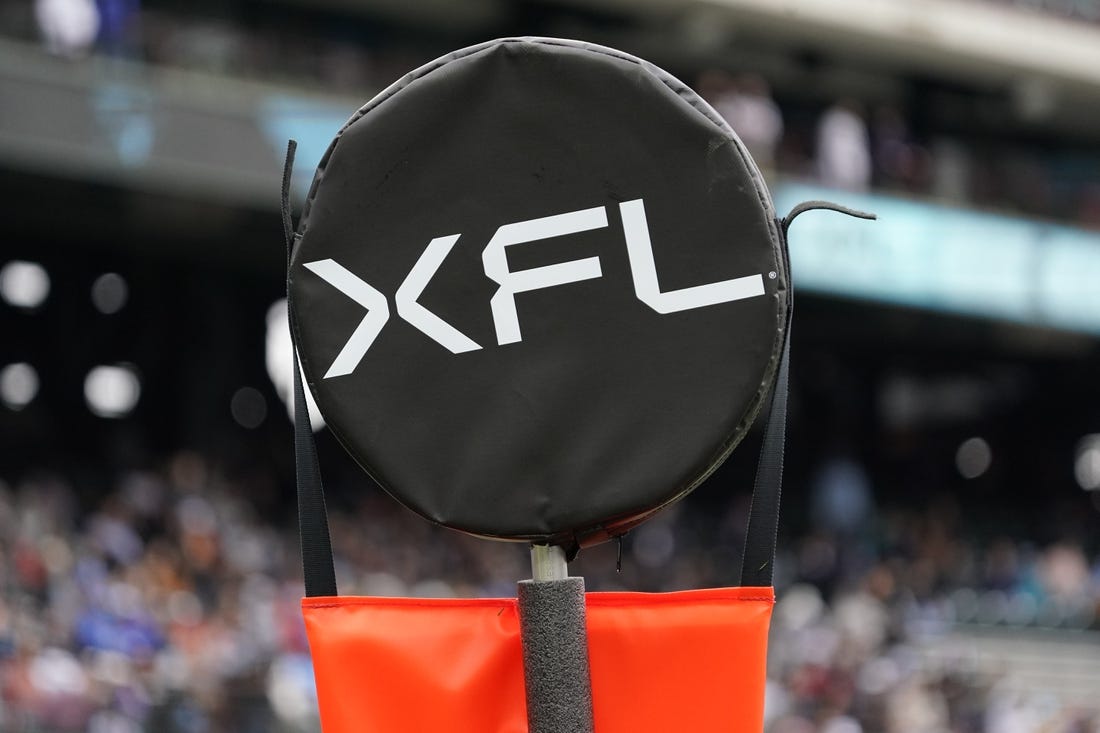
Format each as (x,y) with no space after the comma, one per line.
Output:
(686,661)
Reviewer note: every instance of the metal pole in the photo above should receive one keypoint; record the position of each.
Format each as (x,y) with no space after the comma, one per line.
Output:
(548,563)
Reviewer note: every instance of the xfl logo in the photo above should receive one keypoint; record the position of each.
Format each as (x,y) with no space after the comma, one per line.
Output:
(503,303)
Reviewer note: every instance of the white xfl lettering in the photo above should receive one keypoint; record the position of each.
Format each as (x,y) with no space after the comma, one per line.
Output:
(503,303)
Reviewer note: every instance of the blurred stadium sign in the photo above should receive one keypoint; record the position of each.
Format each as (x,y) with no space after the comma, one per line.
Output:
(949,260)
(124,124)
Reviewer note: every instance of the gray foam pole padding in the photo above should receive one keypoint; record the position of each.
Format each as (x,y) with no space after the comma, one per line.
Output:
(555,656)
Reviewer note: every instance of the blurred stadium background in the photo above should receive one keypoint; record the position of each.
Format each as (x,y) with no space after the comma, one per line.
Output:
(940,557)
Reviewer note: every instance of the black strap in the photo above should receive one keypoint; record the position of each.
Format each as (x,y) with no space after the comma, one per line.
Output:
(759,560)
(760,539)
(320,577)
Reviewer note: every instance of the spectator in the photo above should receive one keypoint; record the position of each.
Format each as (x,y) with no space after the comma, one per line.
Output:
(746,103)
(843,148)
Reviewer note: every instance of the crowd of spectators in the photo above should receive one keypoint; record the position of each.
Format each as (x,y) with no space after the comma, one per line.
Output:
(168,600)
(163,601)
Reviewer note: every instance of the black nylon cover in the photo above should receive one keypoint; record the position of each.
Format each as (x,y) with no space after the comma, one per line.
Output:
(605,410)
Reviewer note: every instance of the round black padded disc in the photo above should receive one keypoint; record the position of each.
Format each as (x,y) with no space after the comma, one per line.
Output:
(539,290)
